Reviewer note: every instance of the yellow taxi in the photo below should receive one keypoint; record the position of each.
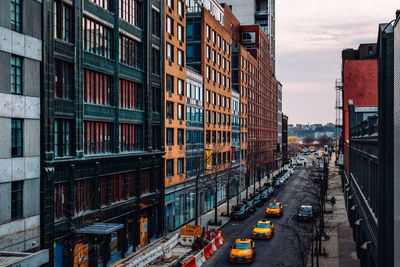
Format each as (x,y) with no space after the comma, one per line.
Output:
(263,229)
(274,209)
(243,251)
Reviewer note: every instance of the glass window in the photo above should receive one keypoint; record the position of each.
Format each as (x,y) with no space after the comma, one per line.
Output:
(180,165)
(131,12)
(170,83)
(181,59)
(181,112)
(96,38)
(63,21)
(170,25)
(170,167)
(16,15)
(62,138)
(170,136)
(63,77)
(181,33)
(156,26)
(16,75)
(181,136)
(130,52)
(180,87)
(16,137)
(170,52)
(16,200)
(170,110)
(181,9)
(156,61)
(97,137)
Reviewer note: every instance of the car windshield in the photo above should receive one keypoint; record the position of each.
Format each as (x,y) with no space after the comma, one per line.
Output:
(263,225)
(306,209)
(238,208)
(242,246)
(273,206)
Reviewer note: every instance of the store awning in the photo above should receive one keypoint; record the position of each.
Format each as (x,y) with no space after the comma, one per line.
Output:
(100,228)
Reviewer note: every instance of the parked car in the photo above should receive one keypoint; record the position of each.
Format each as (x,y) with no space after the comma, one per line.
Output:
(270,190)
(264,196)
(257,201)
(240,211)
(305,213)
(250,204)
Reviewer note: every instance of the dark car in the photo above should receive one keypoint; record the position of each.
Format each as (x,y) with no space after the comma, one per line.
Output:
(305,213)
(264,196)
(240,211)
(250,204)
(257,201)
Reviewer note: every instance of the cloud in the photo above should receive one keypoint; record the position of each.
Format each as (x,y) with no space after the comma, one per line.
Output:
(310,35)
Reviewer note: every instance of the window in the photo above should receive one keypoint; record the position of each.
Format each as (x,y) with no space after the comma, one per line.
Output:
(170,4)
(132,188)
(170,52)
(97,137)
(214,117)
(213,55)
(130,52)
(63,79)
(208,137)
(170,83)
(223,45)
(16,200)
(208,96)
(83,195)
(62,138)
(145,181)
(181,33)
(181,59)
(207,31)
(181,163)
(96,87)
(219,118)
(103,191)
(16,15)
(106,4)
(213,37)
(207,72)
(208,48)
(181,9)
(130,137)
(130,95)
(156,137)
(117,187)
(131,12)
(156,61)
(181,112)
(96,38)
(156,99)
(170,167)
(181,136)
(16,137)
(59,196)
(63,21)
(170,110)
(180,87)
(156,26)
(16,75)
(214,136)
(170,136)
(219,41)
(207,116)
(170,25)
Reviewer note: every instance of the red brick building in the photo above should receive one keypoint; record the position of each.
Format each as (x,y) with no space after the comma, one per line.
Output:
(360,84)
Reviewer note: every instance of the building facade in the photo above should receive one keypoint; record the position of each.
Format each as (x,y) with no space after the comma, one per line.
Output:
(396,133)
(20,85)
(280,127)
(261,12)
(285,156)
(360,81)
(102,186)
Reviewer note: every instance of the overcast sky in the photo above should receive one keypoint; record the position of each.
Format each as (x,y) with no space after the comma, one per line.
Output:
(310,35)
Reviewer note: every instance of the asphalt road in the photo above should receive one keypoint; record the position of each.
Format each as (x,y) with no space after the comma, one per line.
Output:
(290,239)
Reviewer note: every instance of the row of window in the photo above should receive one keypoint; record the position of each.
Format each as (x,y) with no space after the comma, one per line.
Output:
(170,166)
(217,118)
(181,7)
(218,59)
(216,40)
(218,137)
(169,24)
(112,188)
(221,158)
(170,85)
(194,114)
(217,99)
(170,54)
(217,77)
(169,111)
(170,136)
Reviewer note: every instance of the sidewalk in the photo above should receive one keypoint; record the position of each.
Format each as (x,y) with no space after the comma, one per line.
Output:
(180,251)
(340,248)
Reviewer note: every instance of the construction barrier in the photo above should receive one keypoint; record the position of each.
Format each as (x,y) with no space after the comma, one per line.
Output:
(200,258)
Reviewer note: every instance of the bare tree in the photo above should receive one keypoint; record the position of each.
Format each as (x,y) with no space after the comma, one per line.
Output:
(308,140)
(323,140)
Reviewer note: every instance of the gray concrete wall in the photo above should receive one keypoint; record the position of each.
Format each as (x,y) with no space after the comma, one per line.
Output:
(24,233)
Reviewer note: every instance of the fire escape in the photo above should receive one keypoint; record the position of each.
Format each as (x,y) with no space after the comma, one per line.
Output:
(339,107)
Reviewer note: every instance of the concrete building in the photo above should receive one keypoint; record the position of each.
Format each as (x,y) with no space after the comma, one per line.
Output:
(102,173)
(396,133)
(20,87)
(261,12)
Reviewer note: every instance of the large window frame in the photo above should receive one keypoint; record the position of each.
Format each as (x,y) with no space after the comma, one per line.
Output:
(17,200)
(97,88)
(17,137)
(63,79)
(16,15)
(62,137)
(96,38)
(63,21)
(16,74)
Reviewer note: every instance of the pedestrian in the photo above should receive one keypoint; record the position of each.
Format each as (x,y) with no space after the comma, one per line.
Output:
(333,201)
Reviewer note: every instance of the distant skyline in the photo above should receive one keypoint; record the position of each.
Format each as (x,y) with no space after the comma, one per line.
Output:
(310,36)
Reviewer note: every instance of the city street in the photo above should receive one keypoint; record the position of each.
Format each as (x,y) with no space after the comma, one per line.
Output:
(283,249)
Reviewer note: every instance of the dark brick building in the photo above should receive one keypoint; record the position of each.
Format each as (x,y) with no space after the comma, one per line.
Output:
(101,122)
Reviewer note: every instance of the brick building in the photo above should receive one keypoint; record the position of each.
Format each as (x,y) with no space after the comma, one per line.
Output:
(102,119)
